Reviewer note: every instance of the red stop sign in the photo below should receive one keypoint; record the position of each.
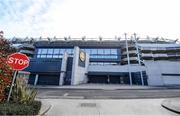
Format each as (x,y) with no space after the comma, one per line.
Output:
(18,61)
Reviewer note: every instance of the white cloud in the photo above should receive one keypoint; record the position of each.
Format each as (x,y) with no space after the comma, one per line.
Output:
(93,18)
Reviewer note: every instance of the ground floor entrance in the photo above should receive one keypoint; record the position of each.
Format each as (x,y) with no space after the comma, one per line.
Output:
(109,79)
(118,78)
(44,79)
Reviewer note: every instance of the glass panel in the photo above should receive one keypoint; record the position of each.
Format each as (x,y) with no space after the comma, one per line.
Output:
(102,56)
(49,56)
(50,51)
(93,56)
(69,51)
(55,56)
(94,51)
(56,51)
(83,49)
(38,56)
(39,51)
(62,51)
(106,56)
(100,51)
(107,51)
(113,51)
(44,51)
(88,51)
(72,51)
(43,56)
(60,56)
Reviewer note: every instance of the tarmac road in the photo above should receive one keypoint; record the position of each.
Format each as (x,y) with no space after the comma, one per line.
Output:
(52,93)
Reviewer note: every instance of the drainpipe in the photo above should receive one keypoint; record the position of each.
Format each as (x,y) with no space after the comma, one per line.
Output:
(127,51)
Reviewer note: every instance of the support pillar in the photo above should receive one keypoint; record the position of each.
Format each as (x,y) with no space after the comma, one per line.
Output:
(108,80)
(142,81)
(61,78)
(36,79)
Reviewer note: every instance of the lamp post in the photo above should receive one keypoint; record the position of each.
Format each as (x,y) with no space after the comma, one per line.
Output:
(139,61)
(127,51)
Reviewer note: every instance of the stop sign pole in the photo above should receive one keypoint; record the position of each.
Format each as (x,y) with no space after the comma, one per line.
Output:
(10,91)
(16,61)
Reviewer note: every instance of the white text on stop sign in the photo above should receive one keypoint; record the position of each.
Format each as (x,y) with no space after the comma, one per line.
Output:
(12,60)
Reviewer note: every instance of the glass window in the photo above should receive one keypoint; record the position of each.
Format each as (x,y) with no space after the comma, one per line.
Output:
(69,51)
(102,56)
(83,49)
(56,51)
(50,51)
(113,56)
(100,51)
(39,51)
(60,56)
(88,51)
(108,56)
(113,51)
(62,51)
(43,56)
(72,51)
(38,56)
(94,51)
(44,51)
(49,56)
(93,56)
(55,56)
(107,51)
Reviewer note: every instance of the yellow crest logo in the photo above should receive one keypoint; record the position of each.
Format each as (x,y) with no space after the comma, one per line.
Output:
(82,56)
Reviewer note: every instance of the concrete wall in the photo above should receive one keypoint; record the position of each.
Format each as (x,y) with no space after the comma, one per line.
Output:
(79,73)
(63,68)
(155,69)
(115,68)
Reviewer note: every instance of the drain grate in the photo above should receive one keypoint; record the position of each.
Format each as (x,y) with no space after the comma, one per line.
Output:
(88,104)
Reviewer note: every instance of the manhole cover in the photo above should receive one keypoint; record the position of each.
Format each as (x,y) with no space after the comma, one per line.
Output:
(88,105)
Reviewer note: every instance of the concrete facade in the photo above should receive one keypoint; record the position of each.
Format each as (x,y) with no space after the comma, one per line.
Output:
(163,72)
(129,62)
(79,73)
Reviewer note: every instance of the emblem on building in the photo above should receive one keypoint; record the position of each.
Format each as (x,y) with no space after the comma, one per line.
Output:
(82,56)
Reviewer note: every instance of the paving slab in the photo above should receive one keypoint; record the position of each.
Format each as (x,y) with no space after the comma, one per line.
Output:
(45,107)
(92,107)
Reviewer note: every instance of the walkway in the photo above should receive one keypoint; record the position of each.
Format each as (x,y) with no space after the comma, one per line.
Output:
(136,107)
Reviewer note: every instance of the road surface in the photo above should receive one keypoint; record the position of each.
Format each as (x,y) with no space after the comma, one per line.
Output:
(107,94)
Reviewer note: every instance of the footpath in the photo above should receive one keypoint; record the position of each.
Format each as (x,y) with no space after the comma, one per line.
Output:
(172,104)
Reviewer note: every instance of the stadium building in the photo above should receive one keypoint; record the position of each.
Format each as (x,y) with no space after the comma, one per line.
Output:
(130,61)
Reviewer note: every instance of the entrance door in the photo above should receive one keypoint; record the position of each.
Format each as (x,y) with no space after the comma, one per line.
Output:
(97,79)
(114,79)
(46,79)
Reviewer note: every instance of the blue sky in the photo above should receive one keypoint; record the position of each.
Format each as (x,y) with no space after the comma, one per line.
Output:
(90,18)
